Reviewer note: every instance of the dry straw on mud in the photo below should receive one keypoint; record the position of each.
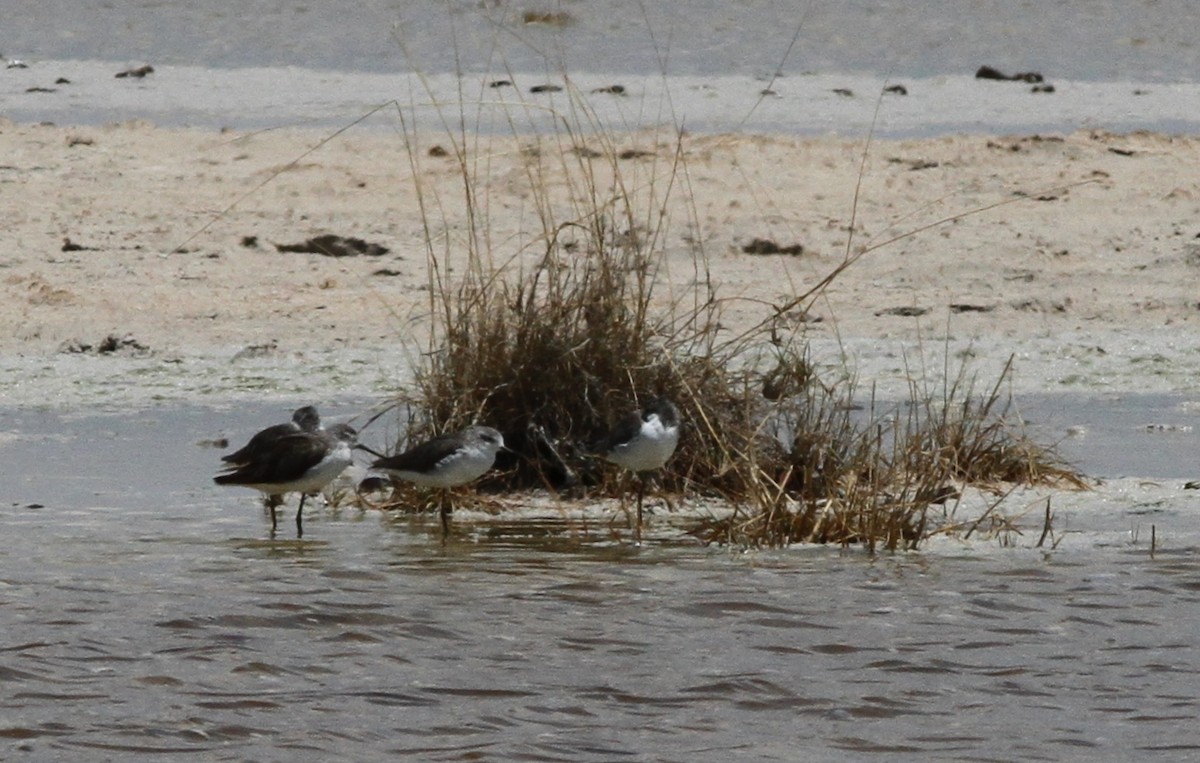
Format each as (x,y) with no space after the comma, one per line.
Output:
(551,338)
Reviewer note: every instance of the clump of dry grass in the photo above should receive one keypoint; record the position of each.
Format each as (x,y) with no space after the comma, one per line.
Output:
(553,352)
(837,473)
(550,344)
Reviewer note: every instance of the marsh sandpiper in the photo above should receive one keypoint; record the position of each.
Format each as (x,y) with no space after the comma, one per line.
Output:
(303,462)
(446,461)
(642,442)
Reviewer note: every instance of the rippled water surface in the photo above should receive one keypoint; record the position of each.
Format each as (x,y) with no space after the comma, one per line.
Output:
(145,612)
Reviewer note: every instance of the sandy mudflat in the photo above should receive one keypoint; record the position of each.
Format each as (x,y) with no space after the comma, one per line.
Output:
(1087,270)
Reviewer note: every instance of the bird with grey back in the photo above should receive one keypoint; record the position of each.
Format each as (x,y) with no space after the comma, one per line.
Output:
(304,419)
(446,461)
(303,462)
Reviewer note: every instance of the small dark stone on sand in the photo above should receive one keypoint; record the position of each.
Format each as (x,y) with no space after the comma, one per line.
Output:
(335,246)
(137,73)
(988,72)
(112,343)
(896,90)
(545,88)
(107,346)
(70,246)
(915,165)
(767,246)
(496,84)
(845,92)
(908,311)
(438,151)
(611,90)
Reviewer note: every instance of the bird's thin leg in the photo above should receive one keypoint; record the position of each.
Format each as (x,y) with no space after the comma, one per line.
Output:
(269,503)
(641,494)
(444,511)
(299,517)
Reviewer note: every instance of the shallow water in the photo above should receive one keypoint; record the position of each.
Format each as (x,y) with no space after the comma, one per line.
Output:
(1120,435)
(1139,40)
(145,611)
(1118,65)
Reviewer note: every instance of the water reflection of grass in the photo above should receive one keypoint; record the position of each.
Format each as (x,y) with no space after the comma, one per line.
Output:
(593,538)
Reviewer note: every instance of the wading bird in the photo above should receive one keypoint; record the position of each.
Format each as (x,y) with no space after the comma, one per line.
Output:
(444,462)
(303,462)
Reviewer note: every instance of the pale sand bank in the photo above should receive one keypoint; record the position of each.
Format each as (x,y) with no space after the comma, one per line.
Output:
(1091,286)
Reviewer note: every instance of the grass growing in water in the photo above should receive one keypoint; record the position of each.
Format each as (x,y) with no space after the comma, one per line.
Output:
(551,339)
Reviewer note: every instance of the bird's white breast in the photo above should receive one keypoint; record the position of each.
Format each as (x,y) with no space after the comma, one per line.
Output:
(462,466)
(650,449)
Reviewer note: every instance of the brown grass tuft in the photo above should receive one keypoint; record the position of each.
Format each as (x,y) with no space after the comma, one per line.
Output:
(551,341)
